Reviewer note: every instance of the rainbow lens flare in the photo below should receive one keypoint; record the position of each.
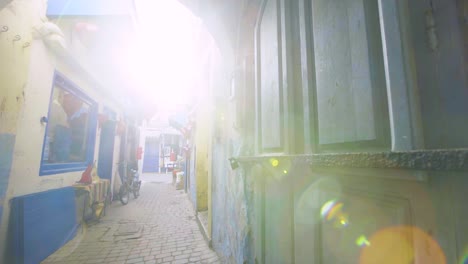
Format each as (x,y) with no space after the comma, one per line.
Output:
(333,211)
(464,258)
(326,208)
(362,241)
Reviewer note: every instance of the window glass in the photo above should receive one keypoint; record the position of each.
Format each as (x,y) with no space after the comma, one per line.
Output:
(67,130)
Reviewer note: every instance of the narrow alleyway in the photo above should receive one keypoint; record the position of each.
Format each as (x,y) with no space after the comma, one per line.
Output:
(158,227)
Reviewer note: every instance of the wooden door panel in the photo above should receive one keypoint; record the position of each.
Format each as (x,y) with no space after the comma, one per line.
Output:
(278,221)
(336,216)
(270,93)
(343,74)
(350,97)
(363,214)
(437,28)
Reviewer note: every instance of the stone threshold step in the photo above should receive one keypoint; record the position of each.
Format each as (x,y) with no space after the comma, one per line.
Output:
(202,220)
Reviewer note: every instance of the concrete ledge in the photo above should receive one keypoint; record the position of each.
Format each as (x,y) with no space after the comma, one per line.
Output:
(433,160)
(204,228)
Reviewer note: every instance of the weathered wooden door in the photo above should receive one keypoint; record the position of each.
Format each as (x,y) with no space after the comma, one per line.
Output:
(106,150)
(356,92)
(273,127)
(440,33)
(151,156)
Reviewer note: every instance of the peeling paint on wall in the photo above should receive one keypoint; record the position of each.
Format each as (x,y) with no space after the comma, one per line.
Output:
(231,235)
(2,105)
(7,142)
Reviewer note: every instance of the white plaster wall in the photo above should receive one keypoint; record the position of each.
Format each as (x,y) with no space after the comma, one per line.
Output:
(24,177)
(30,135)
(19,16)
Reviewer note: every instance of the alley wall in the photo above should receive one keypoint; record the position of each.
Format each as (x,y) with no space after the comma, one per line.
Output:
(27,68)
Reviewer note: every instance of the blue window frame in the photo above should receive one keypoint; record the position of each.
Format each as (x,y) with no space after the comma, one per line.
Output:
(71,129)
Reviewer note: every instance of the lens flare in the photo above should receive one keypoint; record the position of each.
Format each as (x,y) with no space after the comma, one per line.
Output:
(344,220)
(402,244)
(278,169)
(274,162)
(333,212)
(464,258)
(314,199)
(326,208)
(362,241)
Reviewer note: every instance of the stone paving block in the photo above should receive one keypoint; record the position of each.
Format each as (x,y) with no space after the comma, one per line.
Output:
(164,255)
(182,256)
(170,232)
(180,261)
(168,258)
(135,261)
(94,261)
(194,259)
(168,250)
(196,254)
(133,256)
(118,262)
(110,259)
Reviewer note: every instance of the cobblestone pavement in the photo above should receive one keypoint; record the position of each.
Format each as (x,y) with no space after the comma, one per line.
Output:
(164,221)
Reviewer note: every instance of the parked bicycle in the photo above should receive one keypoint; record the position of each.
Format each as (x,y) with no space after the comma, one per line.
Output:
(130,184)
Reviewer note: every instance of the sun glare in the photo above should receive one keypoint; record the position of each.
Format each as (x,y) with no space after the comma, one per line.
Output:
(165,60)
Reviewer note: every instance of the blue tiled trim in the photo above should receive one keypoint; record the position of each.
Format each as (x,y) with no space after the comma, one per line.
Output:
(50,169)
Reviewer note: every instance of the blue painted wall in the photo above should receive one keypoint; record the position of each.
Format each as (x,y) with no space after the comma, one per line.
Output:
(7,142)
(106,150)
(231,198)
(40,223)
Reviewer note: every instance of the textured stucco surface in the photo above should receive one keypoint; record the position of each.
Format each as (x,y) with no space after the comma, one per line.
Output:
(7,142)
(438,160)
(232,211)
(26,74)
(170,232)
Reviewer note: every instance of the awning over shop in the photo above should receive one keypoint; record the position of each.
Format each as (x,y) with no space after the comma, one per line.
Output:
(89,7)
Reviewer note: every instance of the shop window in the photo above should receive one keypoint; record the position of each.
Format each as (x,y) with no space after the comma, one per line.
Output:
(70,133)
